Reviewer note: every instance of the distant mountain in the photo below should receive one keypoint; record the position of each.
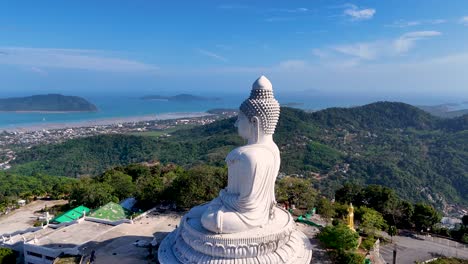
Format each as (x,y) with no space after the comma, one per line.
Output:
(444,110)
(180,98)
(48,102)
(397,145)
(220,111)
(292,104)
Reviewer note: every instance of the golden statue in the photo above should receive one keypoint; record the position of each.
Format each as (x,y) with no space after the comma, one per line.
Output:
(350,218)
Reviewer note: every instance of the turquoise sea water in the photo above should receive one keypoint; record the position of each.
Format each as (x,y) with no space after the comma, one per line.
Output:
(109,107)
(120,106)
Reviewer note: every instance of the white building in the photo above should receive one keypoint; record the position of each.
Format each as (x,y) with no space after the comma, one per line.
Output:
(66,240)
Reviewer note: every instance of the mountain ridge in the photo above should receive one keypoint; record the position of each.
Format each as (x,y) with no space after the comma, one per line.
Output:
(392,144)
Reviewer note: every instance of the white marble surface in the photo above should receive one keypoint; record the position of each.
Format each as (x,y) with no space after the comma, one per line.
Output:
(243,224)
(278,242)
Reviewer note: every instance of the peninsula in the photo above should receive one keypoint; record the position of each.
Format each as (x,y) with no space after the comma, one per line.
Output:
(46,103)
(180,98)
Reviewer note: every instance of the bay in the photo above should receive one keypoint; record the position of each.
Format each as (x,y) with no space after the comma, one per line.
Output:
(125,106)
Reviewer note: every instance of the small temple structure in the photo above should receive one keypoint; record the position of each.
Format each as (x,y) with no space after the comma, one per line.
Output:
(243,224)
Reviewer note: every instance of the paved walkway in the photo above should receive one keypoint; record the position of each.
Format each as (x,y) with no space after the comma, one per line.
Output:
(25,216)
(410,250)
(319,255)
(117,245)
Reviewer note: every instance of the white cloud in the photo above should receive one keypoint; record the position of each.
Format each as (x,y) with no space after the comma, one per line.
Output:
(441,76)
(284,14)
(39,71)
(294,10)
(350,55)
(437,21)
(233,7)
(406,41)
(366,51)
(279,19)
(292,64)
(404,23)
(212,55)
(464,20)
(319,53)
(359,14)
(70,59)
(223,47)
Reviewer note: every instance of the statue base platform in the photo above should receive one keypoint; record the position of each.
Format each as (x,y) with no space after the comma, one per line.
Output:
(274,243)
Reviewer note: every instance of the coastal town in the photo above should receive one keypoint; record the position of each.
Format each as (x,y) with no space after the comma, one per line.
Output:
(13,140)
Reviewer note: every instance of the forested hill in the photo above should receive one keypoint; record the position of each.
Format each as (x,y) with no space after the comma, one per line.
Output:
(393,144)
(48,102)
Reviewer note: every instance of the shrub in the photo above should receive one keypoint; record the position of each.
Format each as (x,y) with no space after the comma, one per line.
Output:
(348,257)
(7,256)
(339,237)
(368,242)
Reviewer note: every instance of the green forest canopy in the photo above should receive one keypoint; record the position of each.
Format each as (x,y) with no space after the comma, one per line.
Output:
(397,145)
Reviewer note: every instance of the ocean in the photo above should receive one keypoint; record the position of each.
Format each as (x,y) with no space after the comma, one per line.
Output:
(125,106)
(110,107)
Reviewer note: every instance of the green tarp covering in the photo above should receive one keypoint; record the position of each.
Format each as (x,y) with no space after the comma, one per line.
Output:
(71,215)
(111,211)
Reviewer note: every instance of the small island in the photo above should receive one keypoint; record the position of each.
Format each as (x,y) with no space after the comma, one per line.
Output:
(46,103)
(292,104)
(179,98)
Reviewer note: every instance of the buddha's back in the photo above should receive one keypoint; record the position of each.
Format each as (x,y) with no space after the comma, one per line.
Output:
(252,172)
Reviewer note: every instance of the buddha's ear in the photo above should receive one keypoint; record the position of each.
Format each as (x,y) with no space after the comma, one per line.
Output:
(255,121)
(256,124)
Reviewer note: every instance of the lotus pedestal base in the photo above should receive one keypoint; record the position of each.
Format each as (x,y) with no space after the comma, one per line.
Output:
(276,243)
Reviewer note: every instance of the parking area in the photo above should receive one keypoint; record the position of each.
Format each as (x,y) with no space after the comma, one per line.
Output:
(410,249)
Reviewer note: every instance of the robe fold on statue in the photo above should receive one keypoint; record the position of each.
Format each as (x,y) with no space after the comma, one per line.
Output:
(249,197)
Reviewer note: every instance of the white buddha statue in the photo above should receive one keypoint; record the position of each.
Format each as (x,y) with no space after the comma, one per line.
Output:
(242,224)
(249,198)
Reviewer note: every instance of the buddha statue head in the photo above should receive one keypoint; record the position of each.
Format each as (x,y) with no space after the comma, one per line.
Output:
(258,114)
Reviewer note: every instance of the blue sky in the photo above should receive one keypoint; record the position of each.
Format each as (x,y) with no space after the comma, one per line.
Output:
(384,48)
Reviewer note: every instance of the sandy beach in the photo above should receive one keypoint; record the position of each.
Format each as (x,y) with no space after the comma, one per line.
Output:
(104,121)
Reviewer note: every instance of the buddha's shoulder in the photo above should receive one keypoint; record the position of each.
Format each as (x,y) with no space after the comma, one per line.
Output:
(249,152)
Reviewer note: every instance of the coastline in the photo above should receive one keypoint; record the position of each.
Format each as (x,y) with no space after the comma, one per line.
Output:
(47,112)
(103,121)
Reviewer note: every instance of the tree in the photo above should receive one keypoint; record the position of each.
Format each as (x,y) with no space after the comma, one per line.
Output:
(425,216)
(325,208)
(7,256)
(61,190)
(402,216)
(341,210)
(198,185)
(348,193)
(392,231)
(339,237)
(342,256)
(91,194)
(121,183)
(139,171)
(465,238)
(149,190)
(371,220)
(465,220)
(380,198)
(296,191)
